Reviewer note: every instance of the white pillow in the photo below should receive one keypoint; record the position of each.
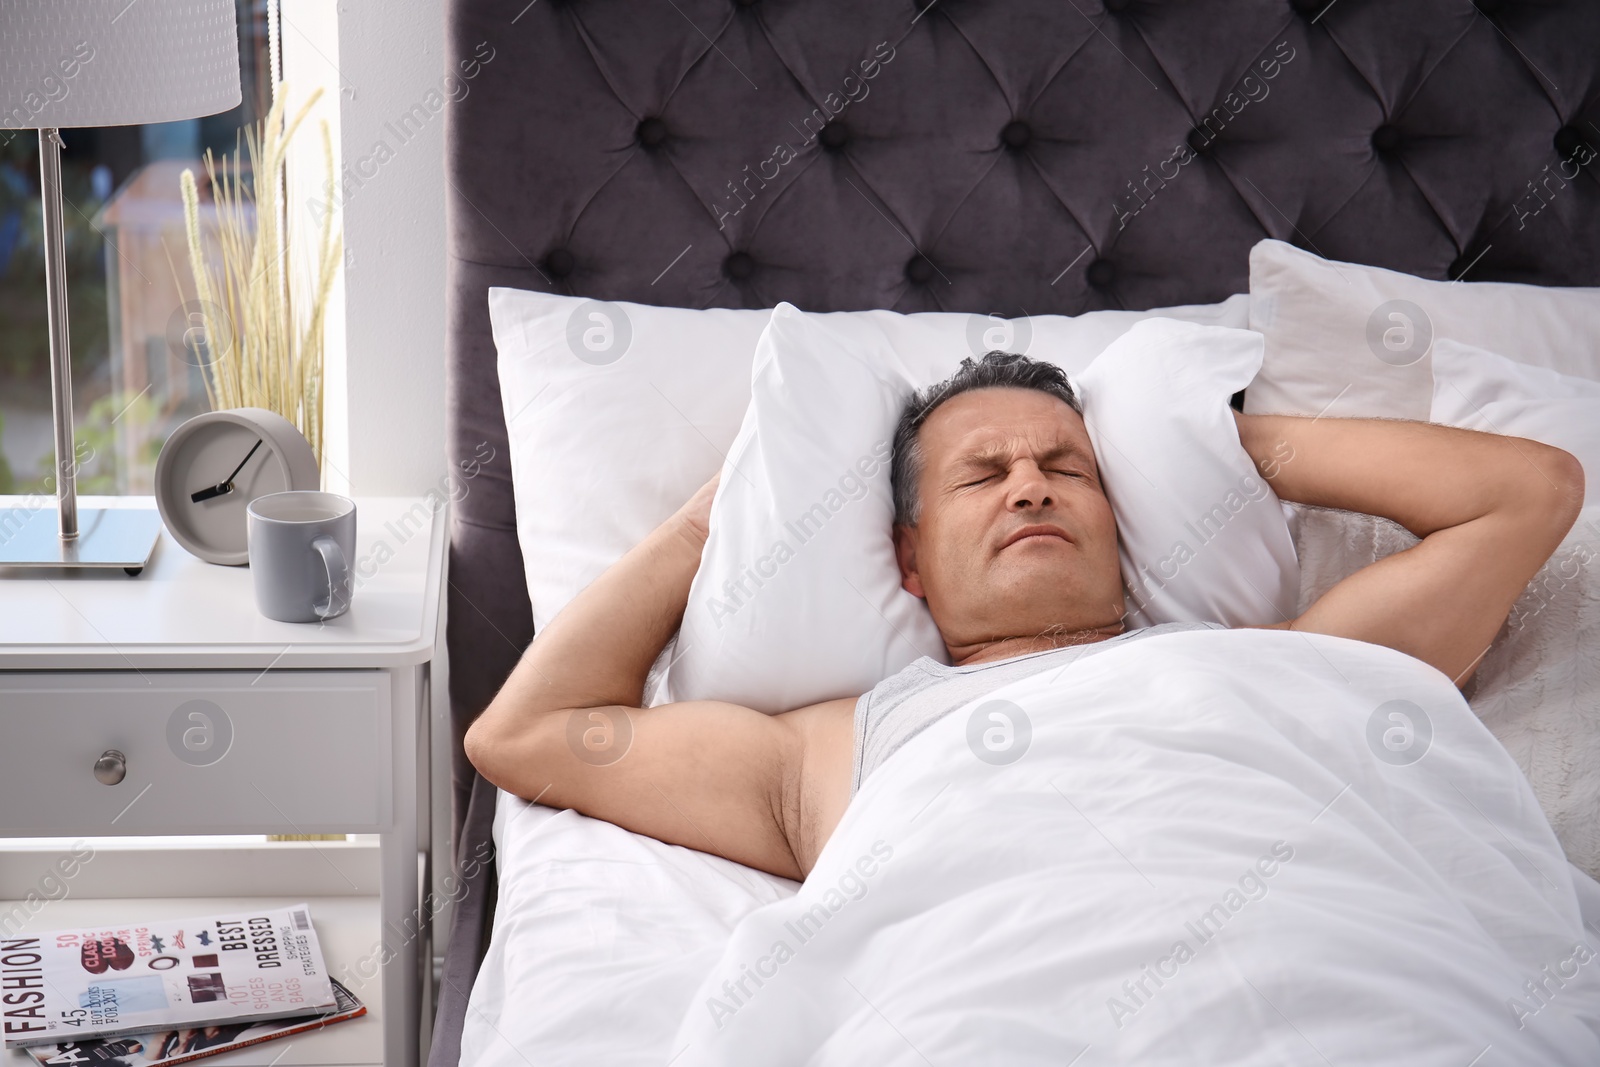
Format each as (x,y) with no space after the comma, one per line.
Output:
(617,412)
(798,596)
(1353,341)
(1203,536)
(1479,390)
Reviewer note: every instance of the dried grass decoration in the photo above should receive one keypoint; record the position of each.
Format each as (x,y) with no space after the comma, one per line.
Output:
(264,338)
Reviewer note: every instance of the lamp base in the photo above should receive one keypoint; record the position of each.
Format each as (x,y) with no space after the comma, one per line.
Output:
(107,537)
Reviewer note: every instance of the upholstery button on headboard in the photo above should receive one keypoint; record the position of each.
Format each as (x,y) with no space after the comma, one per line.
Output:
(1385,138)
(559,263)
(834,136)
(652,132)
(1016,135)
(1570,142)
(739,266)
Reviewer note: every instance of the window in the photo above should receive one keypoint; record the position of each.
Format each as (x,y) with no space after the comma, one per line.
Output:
(133,379)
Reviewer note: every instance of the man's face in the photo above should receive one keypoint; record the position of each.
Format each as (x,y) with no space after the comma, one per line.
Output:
(999,462)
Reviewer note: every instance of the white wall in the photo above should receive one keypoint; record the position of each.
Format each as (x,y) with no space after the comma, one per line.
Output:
(310,50)
(385,63)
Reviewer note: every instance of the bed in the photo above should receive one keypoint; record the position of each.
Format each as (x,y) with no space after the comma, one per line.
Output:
(1009,159)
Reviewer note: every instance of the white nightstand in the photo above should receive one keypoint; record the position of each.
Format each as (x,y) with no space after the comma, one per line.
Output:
(301,729)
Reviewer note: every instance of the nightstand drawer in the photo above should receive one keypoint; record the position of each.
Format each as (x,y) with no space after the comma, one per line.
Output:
(194,752)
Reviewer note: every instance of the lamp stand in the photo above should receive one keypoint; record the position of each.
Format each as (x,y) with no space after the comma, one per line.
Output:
(98,537)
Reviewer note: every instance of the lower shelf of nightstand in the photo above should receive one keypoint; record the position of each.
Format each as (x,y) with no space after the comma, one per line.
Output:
(349,929)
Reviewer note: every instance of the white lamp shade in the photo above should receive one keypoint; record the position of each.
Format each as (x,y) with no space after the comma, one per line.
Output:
(70,63)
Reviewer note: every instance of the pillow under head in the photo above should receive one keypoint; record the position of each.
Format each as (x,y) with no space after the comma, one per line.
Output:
(798,598)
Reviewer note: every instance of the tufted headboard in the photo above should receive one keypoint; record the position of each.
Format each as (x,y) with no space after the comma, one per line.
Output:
(998,156)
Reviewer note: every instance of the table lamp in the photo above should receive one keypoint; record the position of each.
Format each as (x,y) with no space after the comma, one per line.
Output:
(67,63)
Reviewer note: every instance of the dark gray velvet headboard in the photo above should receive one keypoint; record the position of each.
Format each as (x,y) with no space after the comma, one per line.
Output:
(1013,156)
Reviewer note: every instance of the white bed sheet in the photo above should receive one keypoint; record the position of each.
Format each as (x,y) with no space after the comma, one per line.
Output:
(600,938)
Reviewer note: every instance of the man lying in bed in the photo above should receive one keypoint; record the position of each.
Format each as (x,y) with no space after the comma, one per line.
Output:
(1002,526)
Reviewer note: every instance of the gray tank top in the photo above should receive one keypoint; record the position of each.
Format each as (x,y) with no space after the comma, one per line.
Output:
(904,704)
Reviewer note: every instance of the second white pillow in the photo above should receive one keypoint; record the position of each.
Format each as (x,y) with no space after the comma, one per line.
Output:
(1479,390)
(1353,341)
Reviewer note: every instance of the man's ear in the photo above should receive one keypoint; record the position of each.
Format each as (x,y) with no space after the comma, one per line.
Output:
(905,553)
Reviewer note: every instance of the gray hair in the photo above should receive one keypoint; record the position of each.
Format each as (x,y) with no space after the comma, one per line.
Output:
(1008,369)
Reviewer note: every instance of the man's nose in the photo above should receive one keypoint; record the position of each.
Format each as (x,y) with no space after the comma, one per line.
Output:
(1028,487)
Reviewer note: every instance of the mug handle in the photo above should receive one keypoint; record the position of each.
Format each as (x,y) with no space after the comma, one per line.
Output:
(338,578)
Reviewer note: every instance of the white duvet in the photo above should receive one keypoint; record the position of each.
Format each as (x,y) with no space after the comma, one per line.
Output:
(1211,852)
(1215,847)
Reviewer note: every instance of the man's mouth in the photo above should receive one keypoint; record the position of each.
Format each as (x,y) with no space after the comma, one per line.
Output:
(1036,531)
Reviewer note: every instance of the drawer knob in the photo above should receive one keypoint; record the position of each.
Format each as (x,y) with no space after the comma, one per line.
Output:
(111,768)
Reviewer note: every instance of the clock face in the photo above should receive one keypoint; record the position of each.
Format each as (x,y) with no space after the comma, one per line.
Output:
(214,465)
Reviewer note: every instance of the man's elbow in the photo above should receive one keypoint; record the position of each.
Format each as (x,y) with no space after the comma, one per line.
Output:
(1564,477)
(1543,496)
(480,746)
(490,745)
(512,753)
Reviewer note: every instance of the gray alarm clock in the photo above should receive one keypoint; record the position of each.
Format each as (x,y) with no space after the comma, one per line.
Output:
(215,464)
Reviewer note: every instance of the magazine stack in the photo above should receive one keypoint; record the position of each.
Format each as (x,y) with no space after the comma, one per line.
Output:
(167,991)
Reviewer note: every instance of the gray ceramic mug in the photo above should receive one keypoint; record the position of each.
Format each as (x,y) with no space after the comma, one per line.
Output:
(301,547)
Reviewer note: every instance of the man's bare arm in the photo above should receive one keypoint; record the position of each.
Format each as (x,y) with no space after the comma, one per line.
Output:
(1489,509)
(705,774)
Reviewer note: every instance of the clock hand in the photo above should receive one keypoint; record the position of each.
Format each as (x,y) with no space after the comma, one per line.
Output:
(229,480)
(226,485)
(210,491)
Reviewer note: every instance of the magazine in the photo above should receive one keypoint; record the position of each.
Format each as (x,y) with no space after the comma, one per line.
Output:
(163,975)
(181,1046)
